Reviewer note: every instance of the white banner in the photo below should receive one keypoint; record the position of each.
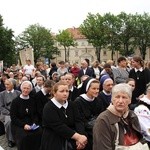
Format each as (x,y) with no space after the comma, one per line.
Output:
(26,54)
(1,148)
(1,66)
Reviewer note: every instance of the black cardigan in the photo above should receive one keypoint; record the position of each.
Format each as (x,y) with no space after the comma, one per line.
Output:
(58,128)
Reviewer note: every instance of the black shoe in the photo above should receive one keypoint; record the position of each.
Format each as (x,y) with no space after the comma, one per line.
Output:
(11,144)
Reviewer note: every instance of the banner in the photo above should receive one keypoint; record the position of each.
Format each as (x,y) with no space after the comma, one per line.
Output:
(1,66)
(26,54)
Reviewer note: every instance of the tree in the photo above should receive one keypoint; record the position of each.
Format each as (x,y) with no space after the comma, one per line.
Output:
(65,39)
(142,33)
(112,25)
(94,30)
(126,33)
(40,39)
(7,47)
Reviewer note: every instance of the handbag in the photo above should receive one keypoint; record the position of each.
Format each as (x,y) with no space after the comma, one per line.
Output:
(91,122)
(137,146)
(67,145)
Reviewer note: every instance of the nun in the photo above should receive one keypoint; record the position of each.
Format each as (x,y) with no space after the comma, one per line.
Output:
(25,125)
(89,106)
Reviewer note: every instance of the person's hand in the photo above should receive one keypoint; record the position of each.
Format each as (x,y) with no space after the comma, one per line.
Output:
(80,146)
(27,127)
(81,143)
(81,140)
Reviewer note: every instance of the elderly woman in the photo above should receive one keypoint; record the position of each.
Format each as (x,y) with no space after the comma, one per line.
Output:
(118,126)
(6,98)
(63,128)
(25,129)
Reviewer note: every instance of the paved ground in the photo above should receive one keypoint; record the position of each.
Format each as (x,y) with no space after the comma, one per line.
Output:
(4,144)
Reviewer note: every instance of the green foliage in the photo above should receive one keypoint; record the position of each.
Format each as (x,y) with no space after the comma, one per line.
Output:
(126,33)
(95,31)
(123,32)
(142,32)
(112,24)
(40,39)
(65,39)
(7,47)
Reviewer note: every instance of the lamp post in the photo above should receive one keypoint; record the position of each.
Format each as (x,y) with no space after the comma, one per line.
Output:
(85,49)
(111,43)
(123,28)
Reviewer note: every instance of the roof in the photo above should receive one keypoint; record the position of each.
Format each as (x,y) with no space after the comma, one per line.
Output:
(76,33)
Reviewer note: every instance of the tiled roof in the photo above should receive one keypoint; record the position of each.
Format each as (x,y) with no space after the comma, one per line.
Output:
(76,33)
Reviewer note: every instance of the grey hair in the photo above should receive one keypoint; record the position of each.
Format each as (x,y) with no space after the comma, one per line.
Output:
(12,81)
(122,87)
(24,82)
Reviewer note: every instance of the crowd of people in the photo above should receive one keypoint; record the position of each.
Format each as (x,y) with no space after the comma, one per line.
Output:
(69,107)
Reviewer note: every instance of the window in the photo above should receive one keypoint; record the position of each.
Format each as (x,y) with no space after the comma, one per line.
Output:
(89,44)
(59,45)
(104,53)
(59,54)
(76,54)
(82,44)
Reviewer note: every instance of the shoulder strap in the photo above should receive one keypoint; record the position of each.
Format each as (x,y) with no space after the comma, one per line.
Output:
(117,137)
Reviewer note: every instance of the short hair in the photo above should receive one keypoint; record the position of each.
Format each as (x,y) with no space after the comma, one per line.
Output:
(84,62)
(130,79)
(61,62)
(87,60)
(75,63)
(20,73)
(53,64)
(121,59)
(49,83)
(37,73)
(28,60)
(5,75)
(122,87)
(63,75)
(24,82)
(95,63)
(71,74)
(24,78)
(39,63)
(12,81)
(107,65)
(43,77)
(111,62)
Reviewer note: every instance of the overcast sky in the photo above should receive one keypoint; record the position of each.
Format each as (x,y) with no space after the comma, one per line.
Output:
(61,14)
